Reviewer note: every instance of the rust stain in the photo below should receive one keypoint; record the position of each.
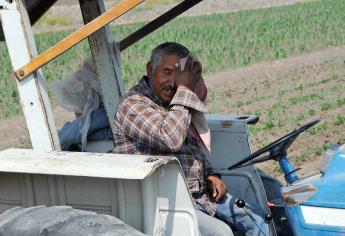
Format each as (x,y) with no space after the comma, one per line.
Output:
(226,124)
(298,194)
(76,37)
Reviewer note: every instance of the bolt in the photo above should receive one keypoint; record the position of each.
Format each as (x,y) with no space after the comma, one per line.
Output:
(21,73)
(268,216)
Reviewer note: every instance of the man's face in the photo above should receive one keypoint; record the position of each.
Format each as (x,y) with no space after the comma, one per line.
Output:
(162,79)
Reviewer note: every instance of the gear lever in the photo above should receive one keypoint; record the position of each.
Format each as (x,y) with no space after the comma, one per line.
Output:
(242,204)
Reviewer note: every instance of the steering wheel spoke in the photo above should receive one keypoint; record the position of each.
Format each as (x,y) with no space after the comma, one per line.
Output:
(276,149)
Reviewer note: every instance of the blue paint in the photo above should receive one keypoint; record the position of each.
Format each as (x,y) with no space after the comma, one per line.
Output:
(331,186)
(330,194)
(288,170)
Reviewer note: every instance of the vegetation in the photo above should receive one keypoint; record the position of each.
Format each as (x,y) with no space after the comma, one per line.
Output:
(221,41)
(54,20)
(149,4)
(282,107)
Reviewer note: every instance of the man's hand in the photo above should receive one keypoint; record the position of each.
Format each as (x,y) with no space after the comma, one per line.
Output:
(190,76)
(217,187)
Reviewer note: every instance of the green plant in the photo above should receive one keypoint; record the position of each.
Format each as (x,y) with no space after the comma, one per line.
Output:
(340,102)
(319,128)
(339,119)
(239,104)
(51,20)
(318,151)
(311,112)
(327,106)
(300,117)
(302,158)
(306,98)
(341,140)
(277,169)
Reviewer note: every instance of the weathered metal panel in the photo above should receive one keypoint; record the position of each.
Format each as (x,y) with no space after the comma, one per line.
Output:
(229,139)
(10,192)
(32,92)
(80,164)
(106,59)
(176,214)
(159,203)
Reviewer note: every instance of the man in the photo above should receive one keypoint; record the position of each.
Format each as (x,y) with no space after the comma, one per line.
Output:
(155,117)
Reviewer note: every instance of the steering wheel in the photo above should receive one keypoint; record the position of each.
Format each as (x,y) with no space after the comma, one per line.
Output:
(276,149)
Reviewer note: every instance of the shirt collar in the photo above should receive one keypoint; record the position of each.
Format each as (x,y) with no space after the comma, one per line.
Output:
(144,88)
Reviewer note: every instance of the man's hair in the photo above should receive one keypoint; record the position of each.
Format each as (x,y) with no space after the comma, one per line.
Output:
(168,48)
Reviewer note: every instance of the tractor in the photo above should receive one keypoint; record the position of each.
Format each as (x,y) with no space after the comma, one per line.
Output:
(45,191)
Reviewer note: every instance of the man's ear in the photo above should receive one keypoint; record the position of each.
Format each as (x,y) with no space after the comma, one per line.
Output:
(149,69)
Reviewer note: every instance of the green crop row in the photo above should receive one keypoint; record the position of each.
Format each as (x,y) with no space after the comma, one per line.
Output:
(221,41)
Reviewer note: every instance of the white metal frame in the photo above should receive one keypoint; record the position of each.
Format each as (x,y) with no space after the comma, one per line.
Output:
(32,91)
(146,192)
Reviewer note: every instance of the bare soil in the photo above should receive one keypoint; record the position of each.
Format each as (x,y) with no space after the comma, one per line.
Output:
(262,85)
(148,11)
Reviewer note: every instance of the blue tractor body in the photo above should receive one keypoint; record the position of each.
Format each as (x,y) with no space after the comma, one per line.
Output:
(315,205)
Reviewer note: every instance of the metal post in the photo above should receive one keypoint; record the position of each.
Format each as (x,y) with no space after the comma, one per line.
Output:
(106,58)
(33,92)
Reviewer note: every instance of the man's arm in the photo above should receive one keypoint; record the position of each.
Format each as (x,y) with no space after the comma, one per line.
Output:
(216,185)
(139,119)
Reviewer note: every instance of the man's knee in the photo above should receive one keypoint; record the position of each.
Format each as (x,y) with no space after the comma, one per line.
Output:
(210,226)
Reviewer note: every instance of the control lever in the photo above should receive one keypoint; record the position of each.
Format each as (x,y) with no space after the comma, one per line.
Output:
(242,204)
(293,171)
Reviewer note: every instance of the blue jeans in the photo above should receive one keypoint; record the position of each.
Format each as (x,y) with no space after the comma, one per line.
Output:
(70,134)
(228,212)
(211,226)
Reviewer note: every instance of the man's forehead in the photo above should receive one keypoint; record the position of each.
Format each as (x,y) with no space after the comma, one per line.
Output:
(169,61)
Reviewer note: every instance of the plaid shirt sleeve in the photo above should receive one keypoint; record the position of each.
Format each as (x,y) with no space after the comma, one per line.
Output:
(186,97)
(142,121)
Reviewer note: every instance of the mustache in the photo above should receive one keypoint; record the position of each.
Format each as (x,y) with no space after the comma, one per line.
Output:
(170,87)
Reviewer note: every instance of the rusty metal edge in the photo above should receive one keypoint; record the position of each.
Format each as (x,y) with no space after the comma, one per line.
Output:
(156,23)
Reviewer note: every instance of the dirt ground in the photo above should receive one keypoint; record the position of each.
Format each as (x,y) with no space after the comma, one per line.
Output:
(147,11)
(287,73)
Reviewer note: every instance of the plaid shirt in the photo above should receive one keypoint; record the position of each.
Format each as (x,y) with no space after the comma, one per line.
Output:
(145,125)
